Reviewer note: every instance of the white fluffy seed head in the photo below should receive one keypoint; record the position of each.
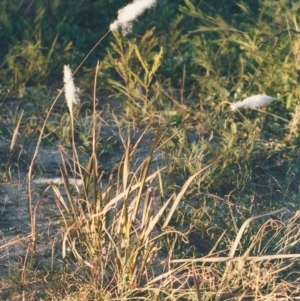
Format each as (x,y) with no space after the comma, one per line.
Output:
(129,13)
(253,102)
(70,89)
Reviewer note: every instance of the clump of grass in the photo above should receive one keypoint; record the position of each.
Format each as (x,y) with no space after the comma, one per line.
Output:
(260,270)
(114,231)
(72,98)
(110,229)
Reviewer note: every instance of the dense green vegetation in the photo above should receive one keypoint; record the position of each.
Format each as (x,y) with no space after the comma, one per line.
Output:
(177,72)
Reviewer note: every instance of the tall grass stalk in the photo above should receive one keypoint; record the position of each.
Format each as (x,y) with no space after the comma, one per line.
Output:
(31,207)
(72,99)
(12,146)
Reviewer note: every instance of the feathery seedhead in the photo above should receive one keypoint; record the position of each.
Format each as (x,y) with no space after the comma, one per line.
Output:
(70,89)
(253,102)
(129,13)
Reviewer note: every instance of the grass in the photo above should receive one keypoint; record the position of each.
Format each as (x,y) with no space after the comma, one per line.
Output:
(153,189)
